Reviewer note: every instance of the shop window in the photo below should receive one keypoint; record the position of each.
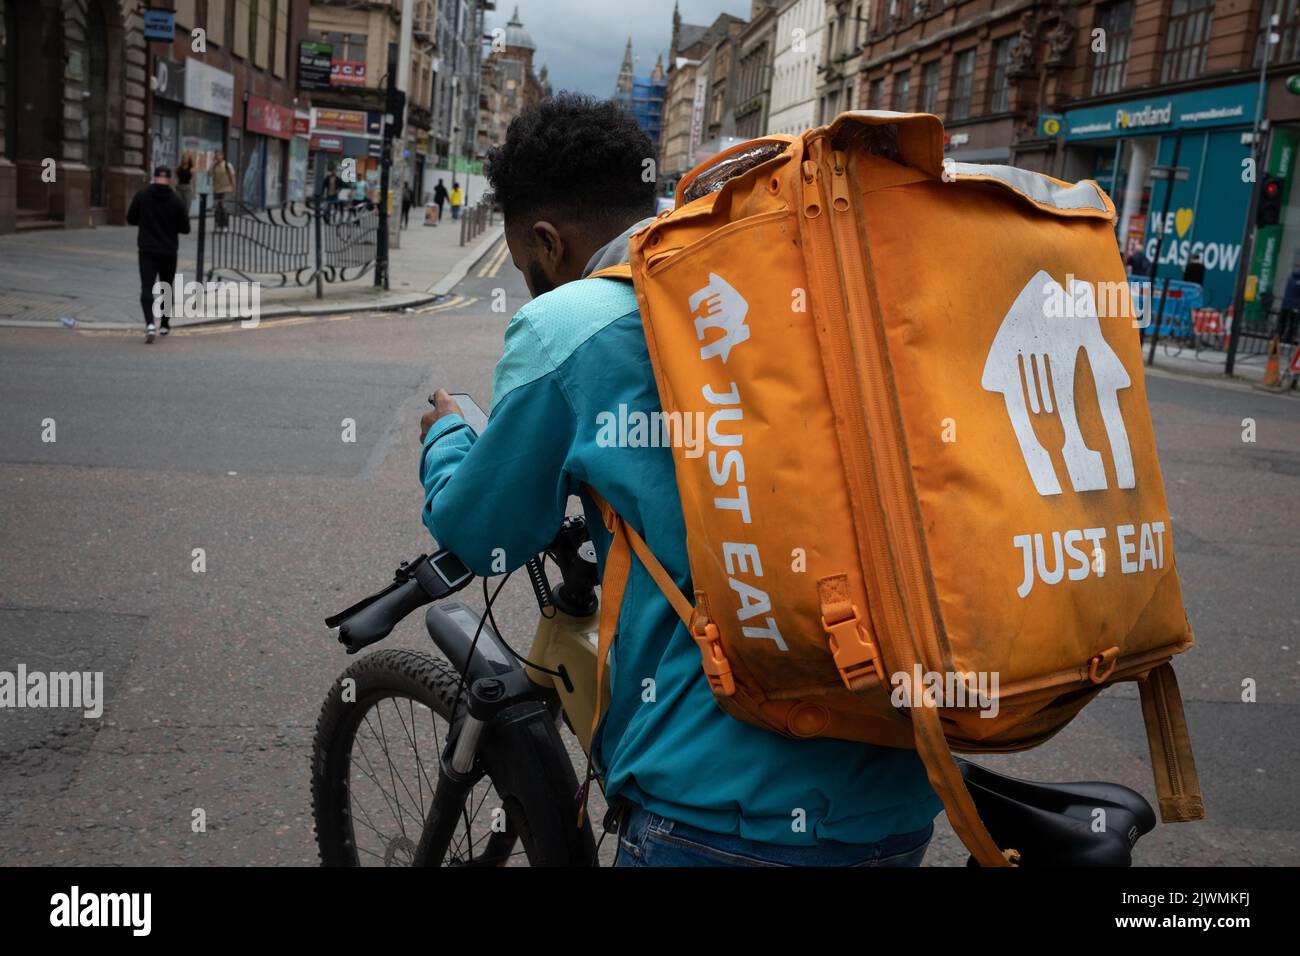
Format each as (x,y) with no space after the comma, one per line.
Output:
(1000,88)
(1110,65)
(930,87)
(962,82)
(902,90)
(1187,38)
(1287,49)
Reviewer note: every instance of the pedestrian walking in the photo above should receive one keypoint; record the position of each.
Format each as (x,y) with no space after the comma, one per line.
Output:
(1136,262)
(160,218)
(457,197)
(185,179)
(223,187)
(327,193)
(1289,317)
(440,197)
(407,199)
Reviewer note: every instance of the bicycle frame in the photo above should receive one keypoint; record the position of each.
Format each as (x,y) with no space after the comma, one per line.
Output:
(563,641)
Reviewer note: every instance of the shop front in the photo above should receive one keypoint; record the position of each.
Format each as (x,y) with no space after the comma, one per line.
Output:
(268,129)
(351,135)
(193,103)
(1128,147)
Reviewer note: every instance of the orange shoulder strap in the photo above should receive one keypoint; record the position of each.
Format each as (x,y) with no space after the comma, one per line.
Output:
(618,565)
(621,271)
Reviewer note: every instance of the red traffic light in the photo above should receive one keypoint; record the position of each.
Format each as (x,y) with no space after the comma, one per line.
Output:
(1272,189)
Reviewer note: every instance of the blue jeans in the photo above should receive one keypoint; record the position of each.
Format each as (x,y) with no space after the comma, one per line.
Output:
(647,839)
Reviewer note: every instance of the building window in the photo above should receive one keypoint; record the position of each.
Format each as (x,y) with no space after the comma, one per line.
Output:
(963,82)
(876,95)
(346,46)
(1187,39)
(902,90)
(1000,88)
(930,87)
(1288,29)
(1109,65)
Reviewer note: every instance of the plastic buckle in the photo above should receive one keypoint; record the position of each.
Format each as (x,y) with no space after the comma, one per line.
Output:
(716,667)
(855,655)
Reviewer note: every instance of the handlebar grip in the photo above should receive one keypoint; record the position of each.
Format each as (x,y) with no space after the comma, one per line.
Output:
(376,620)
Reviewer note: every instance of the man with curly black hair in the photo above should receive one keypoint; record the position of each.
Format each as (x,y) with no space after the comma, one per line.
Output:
(694,786)
(571,176)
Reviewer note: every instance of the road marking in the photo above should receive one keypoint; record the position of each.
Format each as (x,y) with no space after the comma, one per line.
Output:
(455,302)
(236,325)
(494,261)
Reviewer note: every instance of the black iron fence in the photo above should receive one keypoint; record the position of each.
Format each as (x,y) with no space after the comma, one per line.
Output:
(302,243)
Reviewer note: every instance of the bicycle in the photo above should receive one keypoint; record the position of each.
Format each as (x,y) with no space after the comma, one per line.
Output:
(491,717)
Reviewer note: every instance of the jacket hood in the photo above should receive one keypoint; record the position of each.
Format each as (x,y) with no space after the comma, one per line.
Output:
(616,250)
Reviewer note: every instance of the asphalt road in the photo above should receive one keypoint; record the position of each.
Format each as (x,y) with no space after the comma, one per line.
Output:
(231,441)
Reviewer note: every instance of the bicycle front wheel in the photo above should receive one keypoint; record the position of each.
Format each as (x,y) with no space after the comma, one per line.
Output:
(375,767)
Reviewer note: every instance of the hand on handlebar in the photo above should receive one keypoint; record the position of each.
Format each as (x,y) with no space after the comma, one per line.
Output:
(443,404)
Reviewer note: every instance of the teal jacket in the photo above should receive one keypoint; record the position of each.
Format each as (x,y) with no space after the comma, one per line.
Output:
(570,355)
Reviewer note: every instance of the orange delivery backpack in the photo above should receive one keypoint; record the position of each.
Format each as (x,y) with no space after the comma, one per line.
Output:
(919,517)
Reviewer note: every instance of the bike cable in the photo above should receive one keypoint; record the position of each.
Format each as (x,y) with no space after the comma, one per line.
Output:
(473,644)
(562,673)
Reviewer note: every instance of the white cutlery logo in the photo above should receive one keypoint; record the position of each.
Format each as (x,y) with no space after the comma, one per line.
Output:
(1046,348)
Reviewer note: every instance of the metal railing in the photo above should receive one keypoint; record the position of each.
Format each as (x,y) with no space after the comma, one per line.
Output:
(315,241)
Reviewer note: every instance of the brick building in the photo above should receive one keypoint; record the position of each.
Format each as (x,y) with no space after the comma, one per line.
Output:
(1107,91)
(83,91)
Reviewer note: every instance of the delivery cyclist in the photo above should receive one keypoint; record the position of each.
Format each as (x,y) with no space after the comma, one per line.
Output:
(693,786)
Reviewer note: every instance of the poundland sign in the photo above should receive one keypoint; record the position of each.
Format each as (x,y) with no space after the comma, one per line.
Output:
(1225,106)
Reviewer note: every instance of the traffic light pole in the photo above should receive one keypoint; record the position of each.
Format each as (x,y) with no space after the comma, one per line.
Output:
(1260,158)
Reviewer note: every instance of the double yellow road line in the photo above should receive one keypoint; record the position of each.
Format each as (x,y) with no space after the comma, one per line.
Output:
(494,261)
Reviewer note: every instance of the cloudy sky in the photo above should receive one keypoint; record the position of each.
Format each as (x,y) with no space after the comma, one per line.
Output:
(582,41)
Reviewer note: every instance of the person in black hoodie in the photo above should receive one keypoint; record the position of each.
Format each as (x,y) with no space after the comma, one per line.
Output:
(161,217)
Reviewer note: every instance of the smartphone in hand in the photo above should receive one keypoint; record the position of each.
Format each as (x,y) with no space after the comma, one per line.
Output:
(474,416)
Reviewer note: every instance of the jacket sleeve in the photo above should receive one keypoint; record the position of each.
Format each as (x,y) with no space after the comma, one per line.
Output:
(499,498)
(133,213)
(182,216)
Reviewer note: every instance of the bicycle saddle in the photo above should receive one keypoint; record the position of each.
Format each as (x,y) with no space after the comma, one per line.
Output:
(1059,824)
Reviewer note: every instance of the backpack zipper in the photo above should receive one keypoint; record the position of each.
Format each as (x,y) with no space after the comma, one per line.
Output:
(885,437)
(870,526)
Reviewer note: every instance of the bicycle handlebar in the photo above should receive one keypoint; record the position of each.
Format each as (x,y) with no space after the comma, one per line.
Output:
(376,620)
(427,579)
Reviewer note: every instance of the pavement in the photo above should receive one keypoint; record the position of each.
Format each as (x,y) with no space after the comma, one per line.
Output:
(90,276)
(229,439)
